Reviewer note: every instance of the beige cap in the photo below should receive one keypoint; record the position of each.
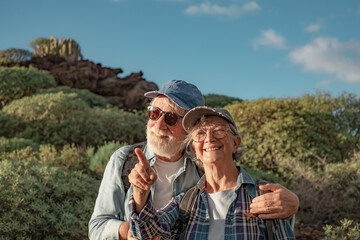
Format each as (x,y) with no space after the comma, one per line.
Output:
(194,115)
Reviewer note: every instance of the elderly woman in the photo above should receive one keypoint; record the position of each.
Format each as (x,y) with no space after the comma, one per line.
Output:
(224,194)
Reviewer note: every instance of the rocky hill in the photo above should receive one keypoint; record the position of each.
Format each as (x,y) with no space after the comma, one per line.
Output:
(126,93)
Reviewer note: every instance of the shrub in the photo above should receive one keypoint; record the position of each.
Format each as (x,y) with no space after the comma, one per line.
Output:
(17,82)
(61,119)
(121,126)
(92,99)
(12,144)
(219,101)
(300,128)
(319,188)
(348,230)
(98,160)
(39,201)
(9,125)
(14,55)
(67,157)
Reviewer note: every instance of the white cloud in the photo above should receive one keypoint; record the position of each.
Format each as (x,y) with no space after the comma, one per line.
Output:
(324,83)
(313,27)
(271,39)
(213,9)
(328,55)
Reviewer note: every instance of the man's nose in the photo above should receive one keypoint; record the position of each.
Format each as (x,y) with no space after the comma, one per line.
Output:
(160,123)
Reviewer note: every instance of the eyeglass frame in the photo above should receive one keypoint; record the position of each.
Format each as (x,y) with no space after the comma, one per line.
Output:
(149,108)
(227,130)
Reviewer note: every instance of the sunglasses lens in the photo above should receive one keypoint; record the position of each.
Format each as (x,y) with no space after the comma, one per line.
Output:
(154,114)
(171,119)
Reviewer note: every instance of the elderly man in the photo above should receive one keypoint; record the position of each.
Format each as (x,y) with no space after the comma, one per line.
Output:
(176,172)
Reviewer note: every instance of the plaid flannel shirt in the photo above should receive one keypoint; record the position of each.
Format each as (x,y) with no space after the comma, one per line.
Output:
(150,223)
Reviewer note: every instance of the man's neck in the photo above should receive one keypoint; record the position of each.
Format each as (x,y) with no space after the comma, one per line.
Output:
(174,158)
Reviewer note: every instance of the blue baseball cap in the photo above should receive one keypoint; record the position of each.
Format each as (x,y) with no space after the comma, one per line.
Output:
(183,94)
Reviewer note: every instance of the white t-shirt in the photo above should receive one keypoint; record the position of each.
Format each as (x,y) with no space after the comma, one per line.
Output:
(166,173)
(219,204)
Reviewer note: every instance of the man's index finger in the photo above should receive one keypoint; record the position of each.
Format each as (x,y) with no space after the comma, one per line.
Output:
(141,157)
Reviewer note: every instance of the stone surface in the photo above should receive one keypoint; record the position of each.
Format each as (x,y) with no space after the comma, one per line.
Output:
(126,93)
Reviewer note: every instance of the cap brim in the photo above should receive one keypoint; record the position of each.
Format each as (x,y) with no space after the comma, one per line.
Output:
(195,114)
(152,94)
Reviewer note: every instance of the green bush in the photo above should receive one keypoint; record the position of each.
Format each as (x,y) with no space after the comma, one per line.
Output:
(348,230)
(121,126)
(9,125)
(219,101)
(98,160)
(14,55)
(12,144)
(62,119)
(39,201)
(68,157)
(328,192)
(92,99)
(301,128)
(17,82)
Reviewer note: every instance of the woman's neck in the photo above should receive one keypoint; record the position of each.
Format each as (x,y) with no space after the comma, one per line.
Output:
(220,178)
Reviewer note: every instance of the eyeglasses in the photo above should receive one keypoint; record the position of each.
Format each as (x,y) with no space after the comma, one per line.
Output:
(171,118)
(218,133)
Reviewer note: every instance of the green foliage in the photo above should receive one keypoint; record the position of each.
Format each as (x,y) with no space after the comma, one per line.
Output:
(219,101)
(17,82)
(92,99)
(98,160)
(348,230)
(9,125)
(38,41)
(14,55)
(39,201)
(67,157)
(259,174)
(319,188)
(61,119)
(12,144)
(303,128)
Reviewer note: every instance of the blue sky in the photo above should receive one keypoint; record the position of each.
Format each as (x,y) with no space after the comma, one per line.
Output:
(245,49)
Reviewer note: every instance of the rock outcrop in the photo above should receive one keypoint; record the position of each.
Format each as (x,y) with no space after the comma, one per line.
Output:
(126,93)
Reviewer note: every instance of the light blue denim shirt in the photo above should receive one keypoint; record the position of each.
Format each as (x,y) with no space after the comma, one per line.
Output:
(111,207)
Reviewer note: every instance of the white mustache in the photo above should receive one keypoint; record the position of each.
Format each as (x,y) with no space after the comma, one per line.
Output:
(162,133)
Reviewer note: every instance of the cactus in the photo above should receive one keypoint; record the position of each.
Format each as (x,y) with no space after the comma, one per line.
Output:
(67,48)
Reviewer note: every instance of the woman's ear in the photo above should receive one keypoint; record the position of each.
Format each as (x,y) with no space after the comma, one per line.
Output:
(192,148)
(237,142)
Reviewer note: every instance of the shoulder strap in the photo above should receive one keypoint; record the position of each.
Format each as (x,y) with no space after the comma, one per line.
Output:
(186,210)
(268,222)
(130,162)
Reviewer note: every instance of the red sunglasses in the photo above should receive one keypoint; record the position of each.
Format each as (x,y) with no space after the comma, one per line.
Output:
(170,119)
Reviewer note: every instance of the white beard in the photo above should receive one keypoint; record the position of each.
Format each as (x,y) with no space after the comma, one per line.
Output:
(167,147)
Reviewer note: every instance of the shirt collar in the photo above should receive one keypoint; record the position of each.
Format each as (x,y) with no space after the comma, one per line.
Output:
(243,178)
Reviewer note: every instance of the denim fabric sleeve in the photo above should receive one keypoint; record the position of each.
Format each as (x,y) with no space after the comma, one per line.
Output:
(150,223)
(109,210)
